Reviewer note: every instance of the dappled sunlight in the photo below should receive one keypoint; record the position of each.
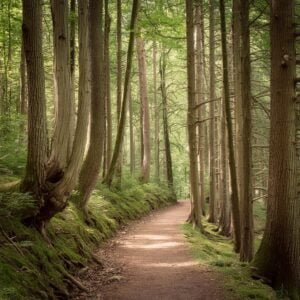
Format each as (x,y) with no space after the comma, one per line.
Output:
(162,245)
(172,265)
(153,237)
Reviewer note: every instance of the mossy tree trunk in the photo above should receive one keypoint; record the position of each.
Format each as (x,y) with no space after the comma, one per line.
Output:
(56,194)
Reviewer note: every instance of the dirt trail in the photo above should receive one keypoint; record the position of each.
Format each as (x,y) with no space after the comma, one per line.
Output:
(156,262)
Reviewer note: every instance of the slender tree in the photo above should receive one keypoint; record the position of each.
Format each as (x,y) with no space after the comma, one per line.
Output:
(245,150)
(121,127)
(212,95)
(200,98)
(234,196)
(156,113)
(107,88)
(131,133)
(191,116)
(145,115)
(167,143)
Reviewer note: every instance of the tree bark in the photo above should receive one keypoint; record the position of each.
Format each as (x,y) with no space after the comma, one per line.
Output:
(200,99)
(245,176)
(234,196)
(212,95)
(156,114)
(62,85)
(92,164)
(55,194)
(225,215)
(145,172)
(166,122)
(191,116)
(72,74)
(131,133)
(278,257)
(107,88)
(35,174)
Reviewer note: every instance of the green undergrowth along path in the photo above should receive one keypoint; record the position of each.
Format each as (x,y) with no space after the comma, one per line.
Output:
(30,268)
(216,251)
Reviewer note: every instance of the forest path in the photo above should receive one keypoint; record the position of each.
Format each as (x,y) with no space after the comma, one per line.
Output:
(156,262)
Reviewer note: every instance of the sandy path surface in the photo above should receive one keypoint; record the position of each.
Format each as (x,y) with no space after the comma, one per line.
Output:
(157,264)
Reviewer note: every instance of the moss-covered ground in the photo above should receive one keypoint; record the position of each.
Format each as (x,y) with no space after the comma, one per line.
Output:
(216,251)
(31,268)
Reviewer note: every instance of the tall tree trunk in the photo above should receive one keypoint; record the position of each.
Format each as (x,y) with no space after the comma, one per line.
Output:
(236,51)
(62,83)
(121,127)
(145,174)
(23,107)
(56,195)
(119,79)
(166,122)
(131,133)
(246,253)
(225,215)
(278,257)
(119,57)
(72,73)
(35,174)
(191,116)
(212,95)
(92,164)
(200,99)
(234,196)
(107,88)
(156,113)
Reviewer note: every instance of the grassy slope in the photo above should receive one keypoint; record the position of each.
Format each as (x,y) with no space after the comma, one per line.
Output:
(217,252)
(32,269)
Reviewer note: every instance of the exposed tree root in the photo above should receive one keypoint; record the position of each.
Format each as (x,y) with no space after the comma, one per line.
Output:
(75,281)
(13,186)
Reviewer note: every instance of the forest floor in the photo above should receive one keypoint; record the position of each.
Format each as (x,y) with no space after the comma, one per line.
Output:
(151,259)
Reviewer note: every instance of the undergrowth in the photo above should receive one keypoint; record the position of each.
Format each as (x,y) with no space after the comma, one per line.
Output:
(217,252)
(30,268)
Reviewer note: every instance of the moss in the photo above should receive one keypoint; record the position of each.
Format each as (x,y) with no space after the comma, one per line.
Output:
(32,269)
(216,251)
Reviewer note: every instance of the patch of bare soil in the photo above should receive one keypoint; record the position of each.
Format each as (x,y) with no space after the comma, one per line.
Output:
(151,260)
